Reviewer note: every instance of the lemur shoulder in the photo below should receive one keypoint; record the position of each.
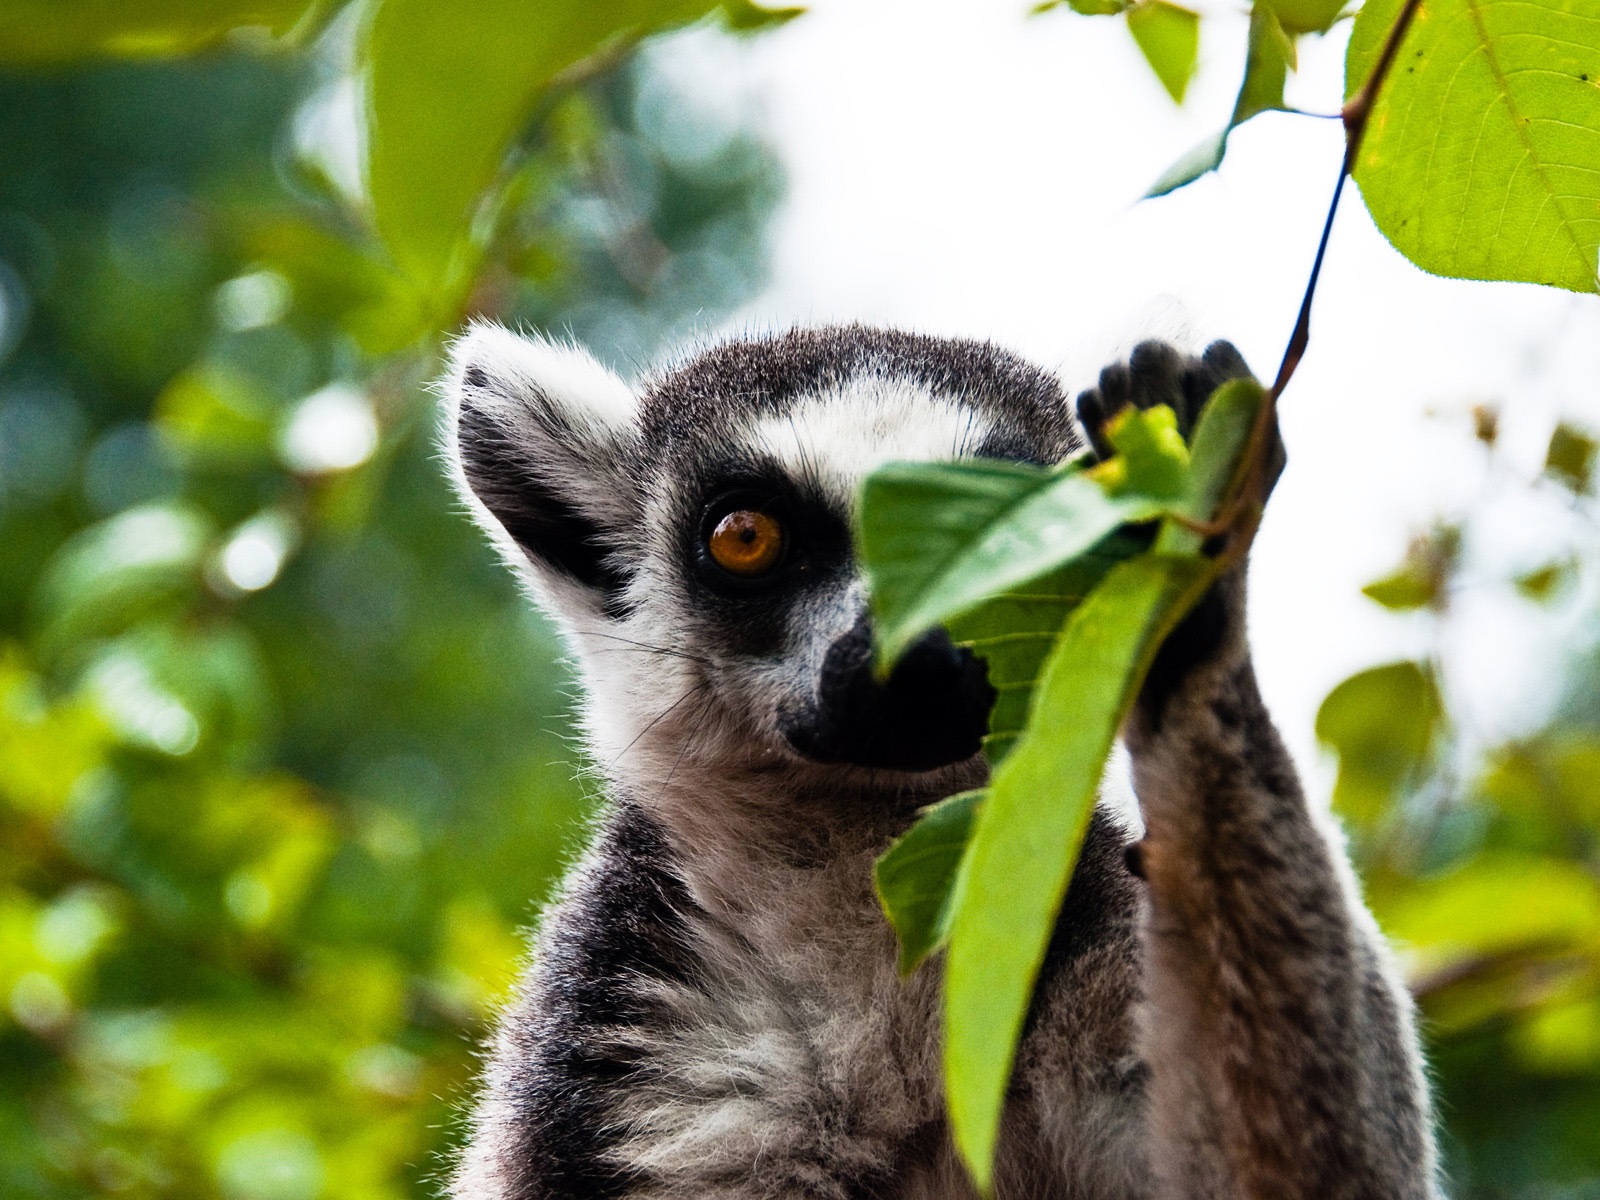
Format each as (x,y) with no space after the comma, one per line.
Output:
(713,1007)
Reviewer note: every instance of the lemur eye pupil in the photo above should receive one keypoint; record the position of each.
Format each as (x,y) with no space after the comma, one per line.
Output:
(746,542)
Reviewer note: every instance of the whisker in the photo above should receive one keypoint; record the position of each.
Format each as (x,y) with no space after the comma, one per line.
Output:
(694,727)
(698,688)
(637,645)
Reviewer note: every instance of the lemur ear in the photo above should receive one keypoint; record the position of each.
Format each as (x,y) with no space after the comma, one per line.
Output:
(542,437)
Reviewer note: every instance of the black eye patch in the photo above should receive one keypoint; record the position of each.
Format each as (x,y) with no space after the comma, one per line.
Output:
(816,538)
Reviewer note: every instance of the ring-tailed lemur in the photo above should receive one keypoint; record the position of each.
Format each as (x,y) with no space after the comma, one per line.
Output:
(713,1007)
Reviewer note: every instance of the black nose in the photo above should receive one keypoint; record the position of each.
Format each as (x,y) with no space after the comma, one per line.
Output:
(933,709)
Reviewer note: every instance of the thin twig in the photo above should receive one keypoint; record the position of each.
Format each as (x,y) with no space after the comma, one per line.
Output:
(1247,501)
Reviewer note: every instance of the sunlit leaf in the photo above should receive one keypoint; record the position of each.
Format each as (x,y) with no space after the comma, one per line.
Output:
(1423,579)
(46,31)
(1151,458)
(1269,58)
(1382,723)
(1547,581)
(916,876)
(448,89)
(139,563)
(1015,631)
(1561,1038)
(1169,38)
(744,15)
(1307,16)
(1496,902)
(1552,779)
(1571,453)
(1482,155)
(1027,833)
(1404,589)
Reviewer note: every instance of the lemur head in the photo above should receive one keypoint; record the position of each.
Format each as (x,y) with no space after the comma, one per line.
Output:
(692,535)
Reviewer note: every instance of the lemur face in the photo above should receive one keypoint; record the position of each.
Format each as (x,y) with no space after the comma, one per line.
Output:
(693,536)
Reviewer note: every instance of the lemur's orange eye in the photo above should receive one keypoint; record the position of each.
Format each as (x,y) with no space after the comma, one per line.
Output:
(746,543)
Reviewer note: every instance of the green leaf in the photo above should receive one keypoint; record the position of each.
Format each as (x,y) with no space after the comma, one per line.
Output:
(939,538)
(448,89)
(1482,155)
(1027,833)
(1270,57)
(1548,580)
(1404,589)
(1015,631)
(1088,8)
(1267,65)
(743,16)
(1307,16)
(1570,456)
(1151,458)
(1550,780)
(142,562)
(1203,159)
(1169,38)
(916,876)
(1382,723)
(51,31)
(1423,579)
(1497,902)
(1221,435)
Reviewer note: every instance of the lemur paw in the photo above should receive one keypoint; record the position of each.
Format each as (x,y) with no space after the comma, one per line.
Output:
(1154,374)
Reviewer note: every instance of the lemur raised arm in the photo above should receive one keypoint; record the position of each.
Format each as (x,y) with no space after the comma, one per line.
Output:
(713,1008)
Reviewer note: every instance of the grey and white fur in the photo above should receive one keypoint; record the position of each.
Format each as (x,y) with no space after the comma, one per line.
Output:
(713,1009)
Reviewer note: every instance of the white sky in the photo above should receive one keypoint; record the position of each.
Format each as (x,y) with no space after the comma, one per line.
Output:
(958,167)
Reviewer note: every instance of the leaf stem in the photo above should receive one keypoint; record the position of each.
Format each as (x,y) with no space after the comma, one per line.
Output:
(1354,115)
(1248,498)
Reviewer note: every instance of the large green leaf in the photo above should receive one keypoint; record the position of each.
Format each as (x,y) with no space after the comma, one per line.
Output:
(939,538)
(916,877)
(1027,833)
(1015,631)
(43,31)
(1482,156)
(448,88)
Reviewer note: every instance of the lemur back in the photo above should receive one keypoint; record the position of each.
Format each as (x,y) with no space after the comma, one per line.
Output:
(713,1007)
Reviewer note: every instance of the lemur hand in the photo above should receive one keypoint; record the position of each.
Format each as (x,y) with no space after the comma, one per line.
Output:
(1156,373)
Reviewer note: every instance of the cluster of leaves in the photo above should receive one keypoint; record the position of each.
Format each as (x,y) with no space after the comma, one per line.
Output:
(1032,569)
(283,759)
(1474,132)
(1478,161)
(1481,859)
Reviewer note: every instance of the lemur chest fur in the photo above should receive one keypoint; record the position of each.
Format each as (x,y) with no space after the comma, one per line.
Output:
(780,1032)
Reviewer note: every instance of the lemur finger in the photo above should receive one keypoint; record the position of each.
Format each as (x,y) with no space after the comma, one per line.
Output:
(1157,370)
(1204,375)
(1092,417)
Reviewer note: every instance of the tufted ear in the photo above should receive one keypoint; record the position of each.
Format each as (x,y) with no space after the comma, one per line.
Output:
(541,438)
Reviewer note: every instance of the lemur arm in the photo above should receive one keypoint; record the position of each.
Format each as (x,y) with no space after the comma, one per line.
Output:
(1283,1061)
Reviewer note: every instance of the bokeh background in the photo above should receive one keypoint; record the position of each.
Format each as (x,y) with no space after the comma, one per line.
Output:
(285,758)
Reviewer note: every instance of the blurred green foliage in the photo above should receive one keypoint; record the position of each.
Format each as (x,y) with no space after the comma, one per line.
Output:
(284,756)
(1480,854)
